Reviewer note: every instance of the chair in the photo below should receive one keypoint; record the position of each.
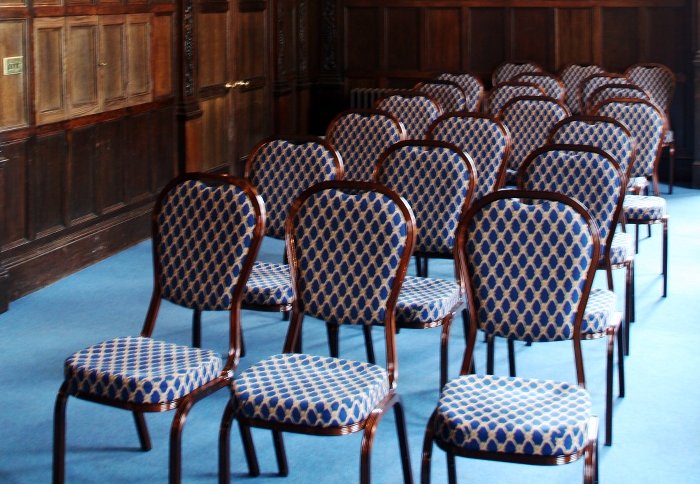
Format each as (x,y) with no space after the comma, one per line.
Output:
(360,136)
(593,178)
(572,75)
(529,119)
(660,82)
(507,70)
(647,124)
(486,141)
(449,95)
(349,246)
(415,109)
(591,83)
(552,85)
(501,242)
(206,233)
(613,90)
(471,85)
(437,179)
(507,90)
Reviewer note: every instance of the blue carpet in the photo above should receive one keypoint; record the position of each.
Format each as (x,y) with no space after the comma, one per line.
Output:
(656,431)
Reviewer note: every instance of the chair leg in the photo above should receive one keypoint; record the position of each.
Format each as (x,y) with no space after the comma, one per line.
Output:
(251,457)
(620,365)
(368,440)
(633,304)
(609,388)
(367,331)
(425,267)
(175,461)
(59,436)
(419,265)
(403,441)
(466,323)
(636,238)
(280,453)
(427,454)
(489,354)
(511,357)
(142,429)
(671,162)
(664,255)
(333,345)
(197,328)
(590,467)
(225,443)
(451,468)
(444,360)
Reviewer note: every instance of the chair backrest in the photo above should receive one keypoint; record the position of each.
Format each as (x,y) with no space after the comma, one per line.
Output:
(360,136)
(647,124)
(529,120)
(551,84)
(591,83)
(206,233)
(504,92)
(657,79)
(281,168)
(517,287)
(585,173)
(471,85)
(349,245)
(603,132)
(572,75)
(484,139)
(507,70)
(437,179)
(613,90)
(448,94)
(415,109)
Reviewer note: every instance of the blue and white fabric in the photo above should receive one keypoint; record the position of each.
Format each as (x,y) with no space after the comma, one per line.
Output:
(502,93)
(471,86)
(268,285)
(451,97)
(644,208)
(551,85)
(572,76)
(622,248)
(423,299)
(590,84)
(616,90)
(600,307)
(415,112)
(140,370)
(513,415)
(509,70)
(659,81)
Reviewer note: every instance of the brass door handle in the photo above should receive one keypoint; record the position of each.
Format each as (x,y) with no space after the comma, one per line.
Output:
(230,85)
(102,64)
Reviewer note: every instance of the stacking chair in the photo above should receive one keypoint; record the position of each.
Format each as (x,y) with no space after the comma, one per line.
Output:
(593,178)
(206,233)
(437,179)
(471,85)
(507,70)
(552,85)
(591,83)
(415,109)
(660,82)
(647,124)
(360,136)
(486,141)
(448,94)
(572,75)
(614,90)
(615,139)
(349,245)
(502,246)
(529,119)
(507,90)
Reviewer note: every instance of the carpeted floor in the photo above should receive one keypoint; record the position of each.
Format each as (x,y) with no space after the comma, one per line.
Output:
(656,431)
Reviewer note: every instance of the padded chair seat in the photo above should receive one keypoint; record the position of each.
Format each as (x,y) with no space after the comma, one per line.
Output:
(599,309)
(637,184)
(423,299)
(641,207)
(309,390)
(513,415)
(140,370)
(622,248)
(268,285)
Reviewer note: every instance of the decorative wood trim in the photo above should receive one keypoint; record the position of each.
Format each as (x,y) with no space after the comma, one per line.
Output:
(252,5)
(4,274)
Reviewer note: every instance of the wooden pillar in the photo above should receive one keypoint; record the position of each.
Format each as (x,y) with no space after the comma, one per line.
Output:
(696,94)
(4,275)
(329,88)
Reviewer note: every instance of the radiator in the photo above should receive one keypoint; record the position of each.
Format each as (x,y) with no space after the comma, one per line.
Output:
(364,97)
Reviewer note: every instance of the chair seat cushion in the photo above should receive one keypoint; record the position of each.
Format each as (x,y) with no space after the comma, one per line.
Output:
(513,415)
(140,370)
(311,391)
(622,248)
(423,299)
(637,184)
(599,310)
(644,208)
(268,285)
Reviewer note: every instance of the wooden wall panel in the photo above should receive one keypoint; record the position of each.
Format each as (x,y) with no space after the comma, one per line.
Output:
(443,44)
(14,198)
(80,191)
(162,35)
(213,49)
(138,157)
(49,80)
(403,39)
(574,34)
(531,35)
(164,166)
(620,29)
(215,117)
(112,62)
(487,40)
(362,28)
(13,102)
(139,58)
(109,174)
(82,54)
(47,185)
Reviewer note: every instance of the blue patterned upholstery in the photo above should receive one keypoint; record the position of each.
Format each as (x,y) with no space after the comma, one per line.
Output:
(621,248)
(268,285)
(448,94)
(423,299)
(308,390)
(590,84)
(415,112)
(204,234)
(615,90)
(483,138)
(658,80)
(509,70)
(599,311)
(550,84)
(502,93)
(571,76)
(360,138)
(640,207)
(591,178)
(513,415)
(529,121)
(140,370)
(471,86)
(435,182)
(646,123)
(538,300)
(348,249)
(281,169)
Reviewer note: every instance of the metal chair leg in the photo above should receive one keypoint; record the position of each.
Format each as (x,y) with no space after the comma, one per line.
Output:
(249,450)
(59,436)
(451,469)
(333,345)
(280,453)
(609,388)
(175,461)
(664,255)
(367,331)
(511,357)
(403,441)
(489,354)
(197,328)
(142,429)
(427,454)
(671,163)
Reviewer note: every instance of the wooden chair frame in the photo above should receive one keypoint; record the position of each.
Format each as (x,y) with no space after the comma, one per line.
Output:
(562,88)
(446,84)
(482,90)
